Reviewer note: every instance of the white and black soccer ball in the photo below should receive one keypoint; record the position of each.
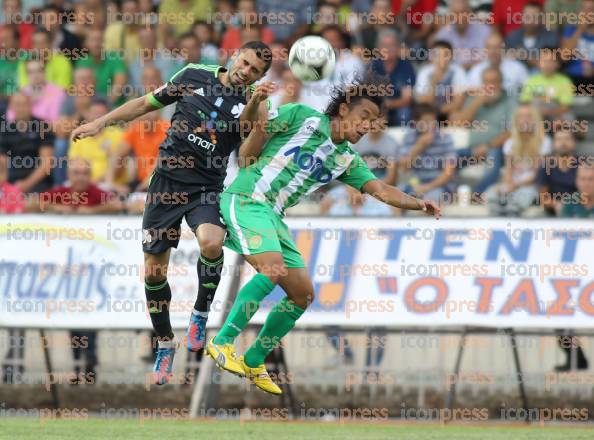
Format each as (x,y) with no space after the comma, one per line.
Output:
(312,58)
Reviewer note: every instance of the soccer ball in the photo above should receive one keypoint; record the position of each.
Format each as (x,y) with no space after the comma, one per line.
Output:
(312,58)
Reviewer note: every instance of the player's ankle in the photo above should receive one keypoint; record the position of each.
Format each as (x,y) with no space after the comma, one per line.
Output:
(222,340)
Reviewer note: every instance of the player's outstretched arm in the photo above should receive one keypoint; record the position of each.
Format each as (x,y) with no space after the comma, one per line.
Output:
(394,197)
(124,113)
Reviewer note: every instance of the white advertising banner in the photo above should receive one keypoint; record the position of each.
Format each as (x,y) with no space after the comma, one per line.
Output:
(88,272)
(452,272)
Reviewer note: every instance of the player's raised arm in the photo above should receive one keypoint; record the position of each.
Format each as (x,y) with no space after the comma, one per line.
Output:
(124,113)
(251,147)
(394,197)
(255,106)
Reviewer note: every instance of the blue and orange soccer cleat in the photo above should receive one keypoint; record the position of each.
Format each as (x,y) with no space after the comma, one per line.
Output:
(196,332)
(164,363)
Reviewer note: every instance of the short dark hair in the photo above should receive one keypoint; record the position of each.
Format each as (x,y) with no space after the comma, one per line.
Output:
(346,38)
(533,4)
(187,35)
(443,44)
(98,100)
(262,51)
(367,86)
(40,30)
(423,109)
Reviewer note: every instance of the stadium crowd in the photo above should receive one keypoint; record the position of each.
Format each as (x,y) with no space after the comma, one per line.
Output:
(486,105)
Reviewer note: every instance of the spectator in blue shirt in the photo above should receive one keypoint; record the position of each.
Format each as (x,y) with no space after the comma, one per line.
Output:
(579,41)
(429,154)
(401,75)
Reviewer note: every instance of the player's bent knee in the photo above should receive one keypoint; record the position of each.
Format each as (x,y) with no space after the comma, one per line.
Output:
(274,269)
(211,248)
(302,297)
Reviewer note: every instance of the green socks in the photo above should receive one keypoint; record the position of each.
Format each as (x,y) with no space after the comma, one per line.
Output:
(279,322)
(245,306)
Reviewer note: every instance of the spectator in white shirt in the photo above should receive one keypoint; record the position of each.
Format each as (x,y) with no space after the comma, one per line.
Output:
(514,72)
(523,154)
(441,83)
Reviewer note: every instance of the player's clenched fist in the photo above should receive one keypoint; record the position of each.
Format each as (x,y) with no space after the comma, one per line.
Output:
(263,91)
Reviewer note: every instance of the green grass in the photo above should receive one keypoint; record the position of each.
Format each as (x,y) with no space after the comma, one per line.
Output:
(119,429)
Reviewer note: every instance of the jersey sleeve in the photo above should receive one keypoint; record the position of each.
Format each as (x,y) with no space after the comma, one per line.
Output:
(357,174)
(170,92)
(280,119)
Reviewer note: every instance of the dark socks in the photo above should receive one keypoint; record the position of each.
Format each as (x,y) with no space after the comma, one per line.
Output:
(158,297)
(209,276)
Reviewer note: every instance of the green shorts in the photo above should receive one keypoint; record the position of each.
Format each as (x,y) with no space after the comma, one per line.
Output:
(253,227)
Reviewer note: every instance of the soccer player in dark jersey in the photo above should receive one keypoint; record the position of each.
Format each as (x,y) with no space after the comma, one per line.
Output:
(212,115)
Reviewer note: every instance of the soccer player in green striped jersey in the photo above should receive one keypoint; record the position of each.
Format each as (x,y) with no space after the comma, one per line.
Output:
(300,149)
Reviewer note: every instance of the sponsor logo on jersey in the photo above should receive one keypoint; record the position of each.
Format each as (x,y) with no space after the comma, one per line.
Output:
(307,161)
(237,109)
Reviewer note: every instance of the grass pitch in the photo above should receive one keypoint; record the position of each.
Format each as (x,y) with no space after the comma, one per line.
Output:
(122,429)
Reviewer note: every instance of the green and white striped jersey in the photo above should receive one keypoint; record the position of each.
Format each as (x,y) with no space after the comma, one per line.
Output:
(297,159)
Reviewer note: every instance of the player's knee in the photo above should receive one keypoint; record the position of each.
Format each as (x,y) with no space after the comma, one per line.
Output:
(210,247)
(154,270)
(302,297)
(274,268)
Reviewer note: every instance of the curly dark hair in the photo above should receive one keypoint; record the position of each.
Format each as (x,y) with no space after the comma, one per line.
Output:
(370,86)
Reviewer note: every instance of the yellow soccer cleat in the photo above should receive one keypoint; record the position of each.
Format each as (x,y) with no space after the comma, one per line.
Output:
(259,377)
(225,357)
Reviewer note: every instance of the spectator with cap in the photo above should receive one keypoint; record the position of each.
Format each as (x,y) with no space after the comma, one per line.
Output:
(401,76)
(525,43)
(557,175)
(28,144)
